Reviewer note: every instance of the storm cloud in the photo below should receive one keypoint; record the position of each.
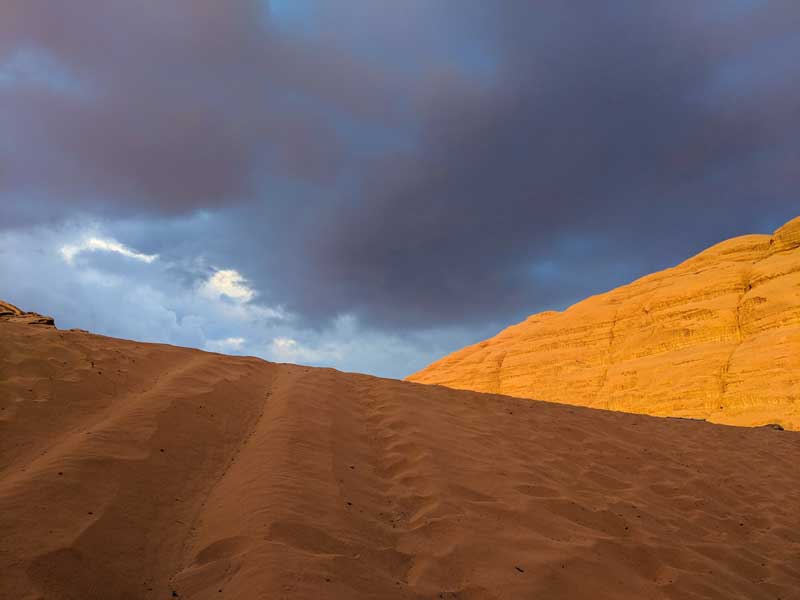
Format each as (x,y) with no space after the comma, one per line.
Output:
(401,176)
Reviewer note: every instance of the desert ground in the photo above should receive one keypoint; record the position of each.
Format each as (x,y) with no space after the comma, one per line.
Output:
(138,471)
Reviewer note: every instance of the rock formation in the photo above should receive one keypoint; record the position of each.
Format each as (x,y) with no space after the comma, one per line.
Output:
(716,337)
(9,312)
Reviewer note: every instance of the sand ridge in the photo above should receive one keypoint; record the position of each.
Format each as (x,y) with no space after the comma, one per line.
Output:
(132,470)
(716,337)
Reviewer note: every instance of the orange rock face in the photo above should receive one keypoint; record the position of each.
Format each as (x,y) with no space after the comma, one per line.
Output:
(716,337)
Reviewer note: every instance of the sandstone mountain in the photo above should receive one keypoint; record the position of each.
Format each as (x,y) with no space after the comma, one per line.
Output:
(133,471)
(716,337)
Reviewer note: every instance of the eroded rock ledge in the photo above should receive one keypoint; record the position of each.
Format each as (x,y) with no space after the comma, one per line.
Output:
(10,313)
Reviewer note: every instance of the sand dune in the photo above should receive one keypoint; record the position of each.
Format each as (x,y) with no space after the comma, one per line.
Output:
(132,470)
(717,337)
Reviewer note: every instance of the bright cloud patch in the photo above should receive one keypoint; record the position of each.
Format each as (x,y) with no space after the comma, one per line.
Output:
(285,346)
(227,345)
(290,350)
(94,244)
(230,283)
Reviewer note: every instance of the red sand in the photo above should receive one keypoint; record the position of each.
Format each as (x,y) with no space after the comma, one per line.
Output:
(132,470)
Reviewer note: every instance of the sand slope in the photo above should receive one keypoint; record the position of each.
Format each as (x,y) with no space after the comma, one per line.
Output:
(132,471)
(717,337)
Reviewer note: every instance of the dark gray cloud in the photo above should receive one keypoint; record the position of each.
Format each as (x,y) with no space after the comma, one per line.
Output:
(413,165)
(649,125)
(172,106)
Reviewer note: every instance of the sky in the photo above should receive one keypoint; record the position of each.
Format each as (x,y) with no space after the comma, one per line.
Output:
(371,185)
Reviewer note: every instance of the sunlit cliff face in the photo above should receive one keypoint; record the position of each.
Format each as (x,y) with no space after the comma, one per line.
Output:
(717,337)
